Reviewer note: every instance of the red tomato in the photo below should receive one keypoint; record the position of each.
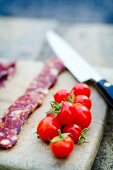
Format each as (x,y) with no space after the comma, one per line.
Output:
(82,116)
(48,128)
(81,89)
(61,95)
(66,115)
(82,99)
(62,146)
(75,131)
(50,115)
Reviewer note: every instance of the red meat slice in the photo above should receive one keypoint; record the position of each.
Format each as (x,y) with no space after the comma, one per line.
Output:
(6,71)
(12,121)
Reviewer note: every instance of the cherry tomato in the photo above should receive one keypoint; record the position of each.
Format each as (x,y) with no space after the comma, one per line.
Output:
(82,116)
(81,89)
(83,100)
(50,115)
(48,128)
(62,146)
(66,115)
(61,95)
(75,131)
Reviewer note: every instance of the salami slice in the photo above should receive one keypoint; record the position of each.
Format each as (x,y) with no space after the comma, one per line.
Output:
(15,116)
(8,137)
(6,71)
(13,123)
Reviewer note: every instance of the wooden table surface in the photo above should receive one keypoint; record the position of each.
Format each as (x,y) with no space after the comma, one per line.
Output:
(25,39)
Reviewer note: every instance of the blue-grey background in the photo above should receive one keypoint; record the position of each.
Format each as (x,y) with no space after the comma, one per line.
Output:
(64,10)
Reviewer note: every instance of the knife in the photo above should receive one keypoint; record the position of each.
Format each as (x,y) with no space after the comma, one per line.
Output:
(78,67)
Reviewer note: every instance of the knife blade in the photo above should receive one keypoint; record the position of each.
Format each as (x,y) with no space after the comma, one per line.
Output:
(78,67)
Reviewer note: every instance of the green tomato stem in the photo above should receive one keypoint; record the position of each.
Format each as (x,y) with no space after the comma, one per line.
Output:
(82,138)
(60,134)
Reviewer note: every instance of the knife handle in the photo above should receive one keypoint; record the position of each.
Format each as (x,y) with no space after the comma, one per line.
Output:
(107,91)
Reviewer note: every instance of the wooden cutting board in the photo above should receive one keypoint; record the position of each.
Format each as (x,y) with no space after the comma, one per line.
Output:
(30,152)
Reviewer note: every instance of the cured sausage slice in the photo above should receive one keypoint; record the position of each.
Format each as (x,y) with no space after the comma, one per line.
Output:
(6,71)
(15,116)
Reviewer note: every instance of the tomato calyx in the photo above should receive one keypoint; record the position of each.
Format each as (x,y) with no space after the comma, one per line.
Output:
(55,108)
(61,136)
(82,138)
(71,97)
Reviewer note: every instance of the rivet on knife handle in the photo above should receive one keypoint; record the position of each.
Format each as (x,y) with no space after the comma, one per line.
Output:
(107,90)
